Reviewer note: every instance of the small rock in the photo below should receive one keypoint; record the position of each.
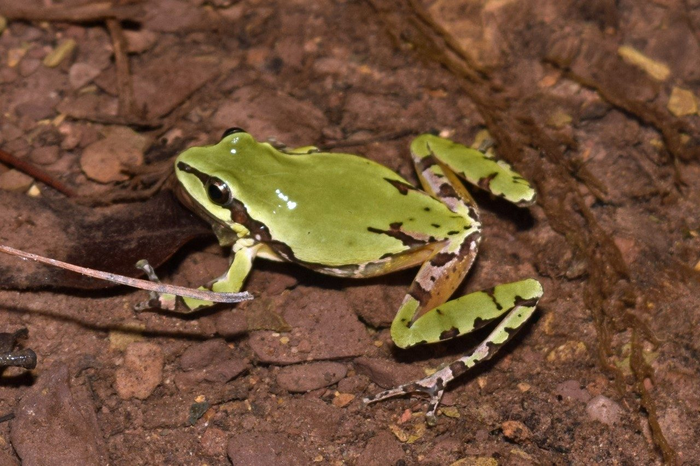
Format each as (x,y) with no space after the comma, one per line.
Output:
(385,373)
(226,370)
(81,74)
(104,160)
(231,323)
(55,423)
(140,41)
(3,24)
(382,449)
(29,66)
(36,110)
(14,180)
(515,431)
(263,449)
(306,377)
(571,389)
(682,102)
(201,355)
(213,441)
(603,409)
(142,371)
(341,400)
(45,155)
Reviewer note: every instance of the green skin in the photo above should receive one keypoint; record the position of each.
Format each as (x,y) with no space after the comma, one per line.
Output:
(345,215)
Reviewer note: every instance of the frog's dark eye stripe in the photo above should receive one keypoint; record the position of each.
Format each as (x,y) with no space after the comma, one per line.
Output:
(231,131)
(219,193)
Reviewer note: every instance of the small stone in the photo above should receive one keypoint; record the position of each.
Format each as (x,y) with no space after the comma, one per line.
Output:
(385,373)
(35,110)
(55,422)
(306,377)
(81,74)
(3,24)
(104,160)
(341,400)
(201,355)
(45,155)
(515,431)
(142,371)
(213,442)
(29,66)
(140,41)
(60,53)
(382,449)
(603,409)
(571,389)
(14,180)
(682,102)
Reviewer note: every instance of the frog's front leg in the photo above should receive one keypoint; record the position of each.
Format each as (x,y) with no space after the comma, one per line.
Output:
(243,255)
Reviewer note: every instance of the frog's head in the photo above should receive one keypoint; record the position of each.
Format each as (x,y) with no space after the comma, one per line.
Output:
(208,176)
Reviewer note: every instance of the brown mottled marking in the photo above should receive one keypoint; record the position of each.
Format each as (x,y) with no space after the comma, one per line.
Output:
(485,182)
(403,188)
(451,333)
(395,232)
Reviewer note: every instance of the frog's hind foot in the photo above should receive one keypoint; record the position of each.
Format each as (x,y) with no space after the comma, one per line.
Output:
(433,386)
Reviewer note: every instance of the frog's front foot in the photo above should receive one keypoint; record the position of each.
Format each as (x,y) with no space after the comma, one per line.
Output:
(432,385)
(156,300)
(24,357)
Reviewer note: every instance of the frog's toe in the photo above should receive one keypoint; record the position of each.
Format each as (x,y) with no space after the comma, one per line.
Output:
(433,386)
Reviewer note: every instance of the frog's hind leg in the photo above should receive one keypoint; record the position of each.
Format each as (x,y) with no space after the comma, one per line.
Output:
(463,315)
(477,167)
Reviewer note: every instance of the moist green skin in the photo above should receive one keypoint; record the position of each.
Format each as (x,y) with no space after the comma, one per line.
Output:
(345,215)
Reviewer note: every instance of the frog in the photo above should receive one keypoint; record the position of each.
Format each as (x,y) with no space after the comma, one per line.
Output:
(348,216)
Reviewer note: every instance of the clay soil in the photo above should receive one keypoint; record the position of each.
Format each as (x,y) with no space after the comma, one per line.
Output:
(593,101)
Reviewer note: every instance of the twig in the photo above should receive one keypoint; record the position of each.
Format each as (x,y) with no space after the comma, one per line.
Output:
(204,295)
(78,14)
(36,173)
(125,87)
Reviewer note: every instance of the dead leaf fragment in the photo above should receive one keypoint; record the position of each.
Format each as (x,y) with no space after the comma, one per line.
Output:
(682,102)
(60,53)
(656,69)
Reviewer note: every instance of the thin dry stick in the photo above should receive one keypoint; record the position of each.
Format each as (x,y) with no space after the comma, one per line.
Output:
(78,14)
(36,173)
(127,103)
(204,295)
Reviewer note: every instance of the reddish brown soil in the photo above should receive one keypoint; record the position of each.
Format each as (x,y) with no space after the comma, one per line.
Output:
(606,373)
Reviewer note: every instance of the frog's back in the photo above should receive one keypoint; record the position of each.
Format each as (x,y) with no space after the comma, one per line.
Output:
(340,209)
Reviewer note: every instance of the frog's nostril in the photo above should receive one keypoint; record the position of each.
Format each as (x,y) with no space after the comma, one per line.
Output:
(231,131)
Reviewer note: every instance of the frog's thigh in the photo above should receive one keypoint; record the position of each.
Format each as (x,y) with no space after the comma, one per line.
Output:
(477,168)
(232,281)
(470,312)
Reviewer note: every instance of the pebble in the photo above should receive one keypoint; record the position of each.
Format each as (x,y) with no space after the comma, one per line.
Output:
(81,74)
(140,41)
(571,389)
(385,373)
(14,180)
(603,409)
(263,449)
(29,66)
(142,371)
(515,431)
(103,160)
(45,155)
(201,355)
(382,449)
(306,377)
(55,423)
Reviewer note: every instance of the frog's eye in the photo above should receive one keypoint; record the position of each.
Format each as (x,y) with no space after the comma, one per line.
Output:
(231,131)
(219,193)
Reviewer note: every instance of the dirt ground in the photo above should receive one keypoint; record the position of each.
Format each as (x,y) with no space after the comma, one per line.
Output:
(594,101)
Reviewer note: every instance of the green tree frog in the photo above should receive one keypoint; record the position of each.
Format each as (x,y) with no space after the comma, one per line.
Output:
(348,216)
